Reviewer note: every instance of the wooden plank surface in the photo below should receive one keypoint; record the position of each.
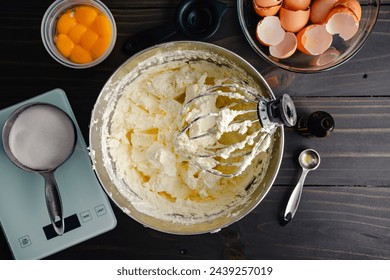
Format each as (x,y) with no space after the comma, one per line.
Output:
(344,212)
(356,153)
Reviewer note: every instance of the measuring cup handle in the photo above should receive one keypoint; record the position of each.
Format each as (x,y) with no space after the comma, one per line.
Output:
(295,197)
(54,203)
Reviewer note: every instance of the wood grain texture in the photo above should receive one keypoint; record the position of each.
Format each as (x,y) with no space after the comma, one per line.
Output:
(331,223)
(356,153)
(339,223)
(345,210)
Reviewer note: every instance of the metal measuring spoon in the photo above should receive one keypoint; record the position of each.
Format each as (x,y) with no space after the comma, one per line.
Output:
(39,137)
(309,160)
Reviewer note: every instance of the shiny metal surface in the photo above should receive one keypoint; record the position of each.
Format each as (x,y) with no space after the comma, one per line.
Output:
(309,160)
(62,154)
(111,92)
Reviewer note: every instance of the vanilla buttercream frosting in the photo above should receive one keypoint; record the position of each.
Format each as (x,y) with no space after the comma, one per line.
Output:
(144,154)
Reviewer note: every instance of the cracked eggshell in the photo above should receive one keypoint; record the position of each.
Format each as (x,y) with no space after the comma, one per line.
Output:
(267,3)
(269,31)
(320,10)
(314,39)
(342,21)
(286,48)
(327,57)
(295,5)
(293,21)
(353,5)
(266,11)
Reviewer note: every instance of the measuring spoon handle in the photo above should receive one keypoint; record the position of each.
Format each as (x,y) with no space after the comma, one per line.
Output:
(54,203)
(295,197)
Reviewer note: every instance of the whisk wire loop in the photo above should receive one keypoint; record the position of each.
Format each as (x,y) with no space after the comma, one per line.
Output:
(225,127)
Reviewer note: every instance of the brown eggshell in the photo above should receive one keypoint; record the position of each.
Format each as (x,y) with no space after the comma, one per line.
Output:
(327,57)
(295,5)
(293,21)
(353,5)
(266,11)
(320,10)
(268,3)
(342,21)
(314,39)
(286,48)
(269,31)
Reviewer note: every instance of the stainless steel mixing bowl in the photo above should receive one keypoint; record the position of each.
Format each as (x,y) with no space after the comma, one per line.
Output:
(100,122)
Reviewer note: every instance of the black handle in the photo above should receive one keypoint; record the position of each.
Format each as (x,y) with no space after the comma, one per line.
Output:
(149,38)
(195,19)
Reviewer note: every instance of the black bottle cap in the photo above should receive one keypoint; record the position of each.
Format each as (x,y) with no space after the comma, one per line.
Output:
(318,124)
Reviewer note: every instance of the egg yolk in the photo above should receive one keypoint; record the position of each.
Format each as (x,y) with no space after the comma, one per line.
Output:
(83,34)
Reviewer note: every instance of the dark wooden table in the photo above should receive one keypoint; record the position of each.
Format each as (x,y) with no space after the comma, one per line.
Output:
(345,207)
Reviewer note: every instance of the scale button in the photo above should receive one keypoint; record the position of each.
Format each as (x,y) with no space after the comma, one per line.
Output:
(86,216)
(100,210)
(25,241)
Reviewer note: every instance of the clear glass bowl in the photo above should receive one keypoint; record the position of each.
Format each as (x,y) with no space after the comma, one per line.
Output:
(48,30)
(339,52)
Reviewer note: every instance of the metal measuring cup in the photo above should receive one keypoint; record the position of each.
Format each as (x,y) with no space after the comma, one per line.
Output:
(40,137)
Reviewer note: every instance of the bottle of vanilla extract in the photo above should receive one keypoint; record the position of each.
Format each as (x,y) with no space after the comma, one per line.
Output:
(318,124)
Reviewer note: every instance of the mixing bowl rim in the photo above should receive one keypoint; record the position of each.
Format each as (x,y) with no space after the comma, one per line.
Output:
(259,77)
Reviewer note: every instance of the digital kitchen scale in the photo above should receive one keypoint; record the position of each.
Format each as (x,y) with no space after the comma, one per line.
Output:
(23,213)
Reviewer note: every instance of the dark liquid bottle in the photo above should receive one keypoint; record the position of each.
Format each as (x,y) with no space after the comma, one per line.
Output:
(318,124)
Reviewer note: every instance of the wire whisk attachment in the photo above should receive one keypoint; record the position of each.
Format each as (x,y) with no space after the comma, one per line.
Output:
(226,126)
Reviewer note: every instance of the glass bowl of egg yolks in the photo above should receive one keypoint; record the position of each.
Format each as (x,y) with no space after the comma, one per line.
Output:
(78,33)
(328,51)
